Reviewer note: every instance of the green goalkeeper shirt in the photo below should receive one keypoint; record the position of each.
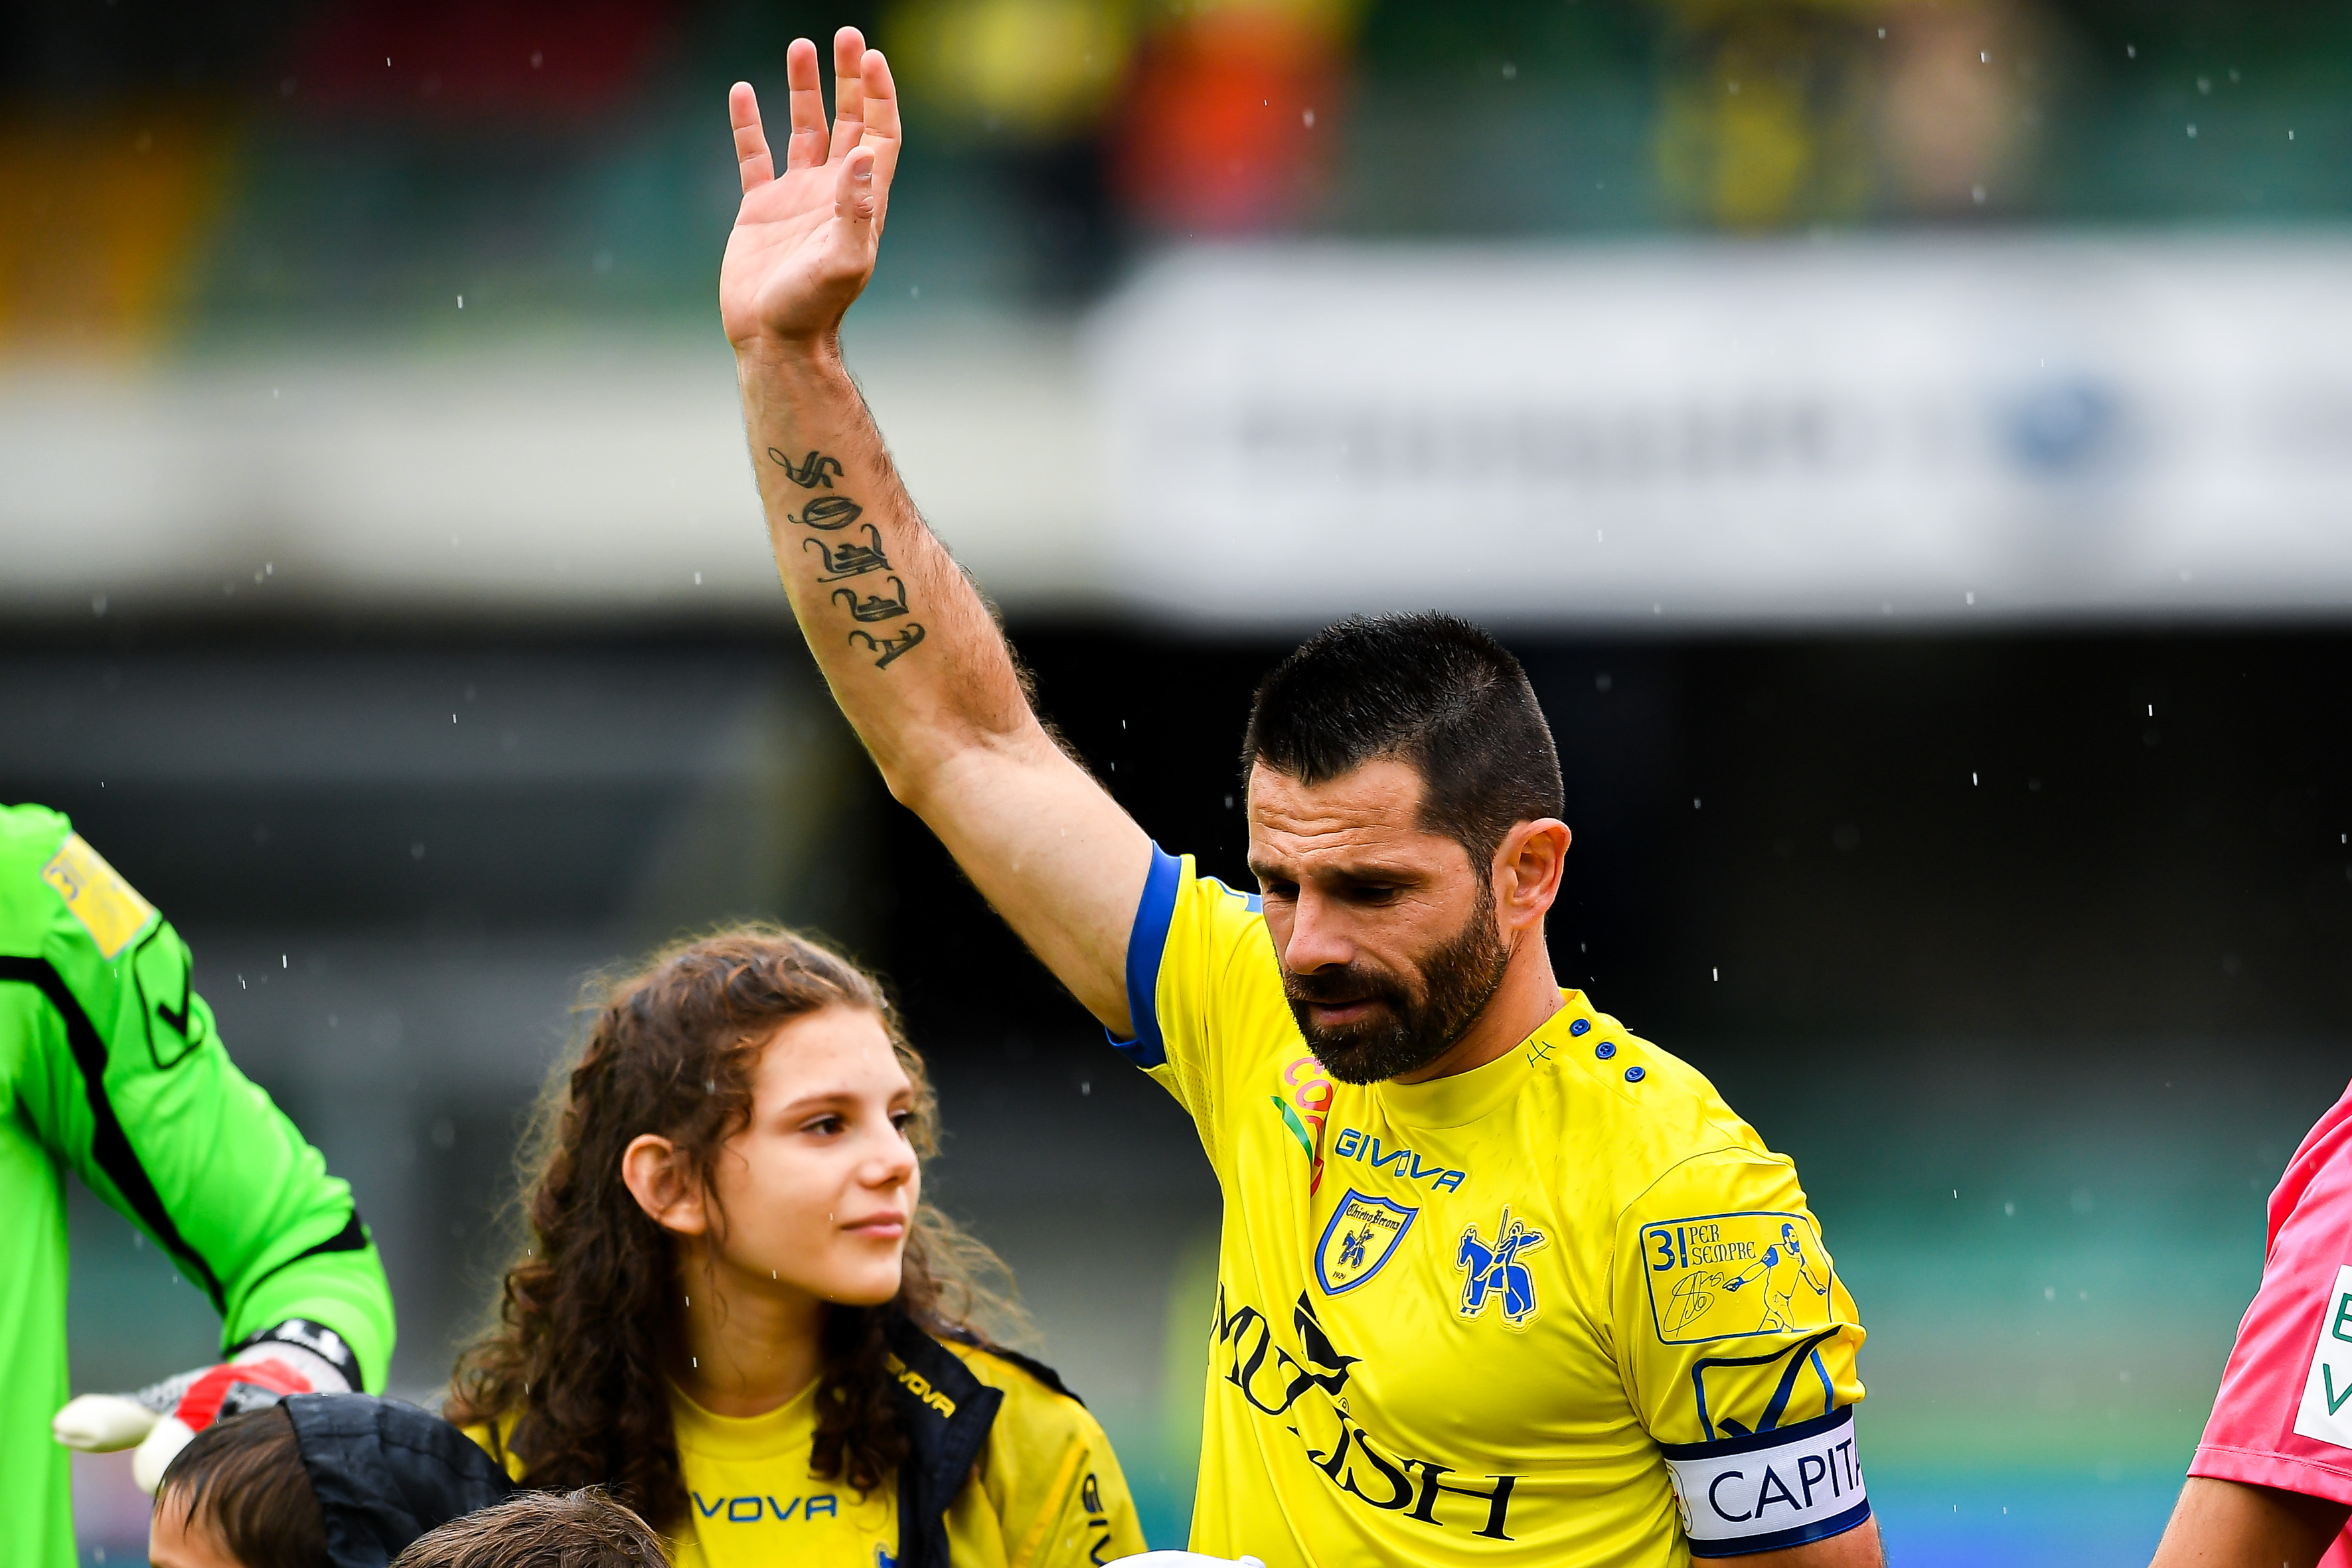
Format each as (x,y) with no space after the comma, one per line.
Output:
(110,1066)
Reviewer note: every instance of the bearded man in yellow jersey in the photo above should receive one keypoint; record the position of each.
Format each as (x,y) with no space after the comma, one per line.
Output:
(1500,1282)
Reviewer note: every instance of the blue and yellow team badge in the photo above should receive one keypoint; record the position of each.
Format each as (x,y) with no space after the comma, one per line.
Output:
(1493,1275)
(1362,1235)
(1723,1276)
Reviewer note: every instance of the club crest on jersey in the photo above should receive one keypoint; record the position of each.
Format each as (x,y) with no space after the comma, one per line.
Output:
(1361,1236)
(1492,1274)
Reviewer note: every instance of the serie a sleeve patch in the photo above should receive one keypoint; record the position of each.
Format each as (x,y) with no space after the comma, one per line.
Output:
(2324,1413)
(1770,1491)
(109,908)
(1733,1276)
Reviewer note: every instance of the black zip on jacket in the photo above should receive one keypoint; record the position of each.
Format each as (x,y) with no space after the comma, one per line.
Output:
(946,1413)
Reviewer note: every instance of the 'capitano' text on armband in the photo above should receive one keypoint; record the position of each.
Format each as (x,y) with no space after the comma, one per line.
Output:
(1771,1490)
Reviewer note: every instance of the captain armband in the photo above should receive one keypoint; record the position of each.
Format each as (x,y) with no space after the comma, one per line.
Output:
(1770,1491)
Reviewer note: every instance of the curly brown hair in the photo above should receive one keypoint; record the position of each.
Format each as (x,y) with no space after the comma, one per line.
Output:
(572,1354)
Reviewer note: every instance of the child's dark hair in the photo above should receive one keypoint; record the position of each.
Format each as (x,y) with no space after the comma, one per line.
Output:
(245,1477)
(575,1359)
(582,1529)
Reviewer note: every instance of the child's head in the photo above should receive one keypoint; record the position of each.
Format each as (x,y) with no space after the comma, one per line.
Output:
(752,1093)
(237,1497)
(744,1118)
(271,1488)
(540,1530)
(781,1156)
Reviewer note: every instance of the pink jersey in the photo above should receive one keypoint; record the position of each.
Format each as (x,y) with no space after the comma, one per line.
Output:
(2283,1417)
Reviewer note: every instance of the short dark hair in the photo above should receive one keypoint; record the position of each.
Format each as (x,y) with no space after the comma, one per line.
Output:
(583,1528)
(1427,689)
(245,1476)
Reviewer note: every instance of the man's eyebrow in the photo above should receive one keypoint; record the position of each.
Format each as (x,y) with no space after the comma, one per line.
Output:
(1348,873)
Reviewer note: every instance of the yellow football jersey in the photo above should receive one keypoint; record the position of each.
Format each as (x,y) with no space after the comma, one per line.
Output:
(1564,1308)
(1046,1493)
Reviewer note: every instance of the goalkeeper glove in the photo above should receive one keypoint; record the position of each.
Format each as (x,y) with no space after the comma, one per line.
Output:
(298,1356)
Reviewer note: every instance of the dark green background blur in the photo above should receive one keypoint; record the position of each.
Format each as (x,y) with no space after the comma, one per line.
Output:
(2040,1042)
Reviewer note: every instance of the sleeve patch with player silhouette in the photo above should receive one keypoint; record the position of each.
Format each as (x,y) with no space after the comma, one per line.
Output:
(1730,1276)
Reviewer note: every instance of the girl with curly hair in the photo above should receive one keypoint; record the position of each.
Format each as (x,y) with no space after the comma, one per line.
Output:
(734,1314)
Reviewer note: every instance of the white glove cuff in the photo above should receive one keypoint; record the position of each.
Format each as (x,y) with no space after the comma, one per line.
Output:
(324,1376)
(314,1350)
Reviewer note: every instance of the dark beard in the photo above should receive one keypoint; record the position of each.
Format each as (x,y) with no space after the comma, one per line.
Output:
(1457,981)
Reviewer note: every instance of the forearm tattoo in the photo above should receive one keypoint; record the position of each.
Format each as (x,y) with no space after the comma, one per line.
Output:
(844,558)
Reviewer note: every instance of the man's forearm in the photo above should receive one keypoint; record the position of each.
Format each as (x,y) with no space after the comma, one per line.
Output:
(912,654)
(2224,1524)
(903,639)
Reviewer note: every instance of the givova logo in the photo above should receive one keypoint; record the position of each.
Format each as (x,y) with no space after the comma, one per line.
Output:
(1353,1143)
(752,1509)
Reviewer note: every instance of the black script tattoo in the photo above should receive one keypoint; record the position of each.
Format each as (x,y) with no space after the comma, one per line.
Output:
(845,560)
(814,470)
(876,608)
(828,512)
(891,648)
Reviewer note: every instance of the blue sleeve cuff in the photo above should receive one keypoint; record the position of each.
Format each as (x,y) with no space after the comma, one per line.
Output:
(1145,942)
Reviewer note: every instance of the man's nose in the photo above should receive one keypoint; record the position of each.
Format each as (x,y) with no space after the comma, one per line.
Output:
(1317,939)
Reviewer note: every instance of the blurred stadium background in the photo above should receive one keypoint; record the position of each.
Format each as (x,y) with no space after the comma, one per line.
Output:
(1910,443)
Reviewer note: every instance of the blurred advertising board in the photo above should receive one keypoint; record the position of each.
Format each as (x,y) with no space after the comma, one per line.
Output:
(1843,431)
(1737,432)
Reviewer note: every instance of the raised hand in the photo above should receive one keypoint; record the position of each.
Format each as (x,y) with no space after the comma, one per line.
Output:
(805,239)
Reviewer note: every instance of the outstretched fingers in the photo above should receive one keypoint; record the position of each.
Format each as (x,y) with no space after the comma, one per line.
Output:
(807,147)
(751,159)
(878,98)
(848,90)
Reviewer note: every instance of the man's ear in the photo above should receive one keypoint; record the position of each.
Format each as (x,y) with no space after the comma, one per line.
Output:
(656,1174)
(1528,869)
